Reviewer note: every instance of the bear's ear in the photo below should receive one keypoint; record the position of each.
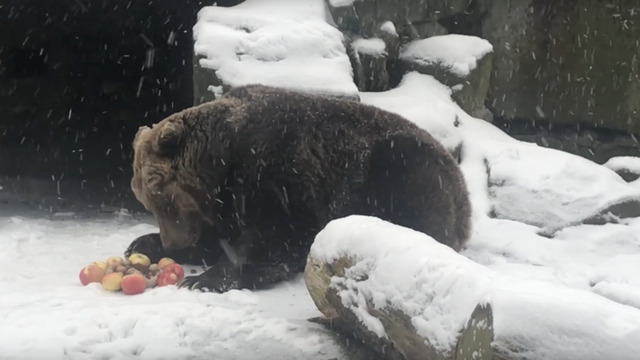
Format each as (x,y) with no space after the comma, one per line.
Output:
(170,137)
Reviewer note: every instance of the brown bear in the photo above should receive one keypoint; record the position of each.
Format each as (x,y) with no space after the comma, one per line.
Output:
(245,182)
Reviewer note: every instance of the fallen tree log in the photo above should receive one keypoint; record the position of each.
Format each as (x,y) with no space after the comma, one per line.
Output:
(408,297)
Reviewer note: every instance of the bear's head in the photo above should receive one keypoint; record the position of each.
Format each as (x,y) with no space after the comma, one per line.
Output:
(164,185)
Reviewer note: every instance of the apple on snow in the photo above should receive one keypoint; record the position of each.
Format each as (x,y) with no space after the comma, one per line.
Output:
(132,275)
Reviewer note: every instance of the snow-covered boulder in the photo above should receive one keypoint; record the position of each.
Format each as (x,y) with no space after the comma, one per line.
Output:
(285,44)
(372,56)
(628,167)
(459,61)
(507,178)
(552,189)
(370,64)
(400,290)
(618,279)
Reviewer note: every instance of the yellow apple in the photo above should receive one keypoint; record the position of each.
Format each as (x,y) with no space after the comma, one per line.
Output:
(112,281)
(114,261)
(165,261)
(139,259)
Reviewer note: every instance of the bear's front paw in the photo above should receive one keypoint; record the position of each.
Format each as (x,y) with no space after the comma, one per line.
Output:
(217,279)
(149,244)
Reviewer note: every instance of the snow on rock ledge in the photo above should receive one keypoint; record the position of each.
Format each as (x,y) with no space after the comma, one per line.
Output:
(374,277)
(285,44)
(459,61)
(459,53)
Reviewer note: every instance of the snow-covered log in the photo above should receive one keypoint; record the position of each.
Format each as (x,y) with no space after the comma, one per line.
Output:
(409,297)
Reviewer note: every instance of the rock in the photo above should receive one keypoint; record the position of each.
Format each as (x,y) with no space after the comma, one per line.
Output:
(461,62)
(596,144)
(69,215)
(387,32)
(237,46)
(414,19)
(344,16)
(370,64)
(204,81)
(565,64)
(372,58)
(618,278)
(566,190)
(628,167)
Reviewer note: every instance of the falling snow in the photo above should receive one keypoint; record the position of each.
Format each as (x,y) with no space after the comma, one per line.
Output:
(581,284)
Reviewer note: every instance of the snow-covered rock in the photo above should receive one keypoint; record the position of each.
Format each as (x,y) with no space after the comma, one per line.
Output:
(457,54)
(507,178)
(285,44)
(461,62)
(618,279)
(628,167)
(370,64)
(560,191)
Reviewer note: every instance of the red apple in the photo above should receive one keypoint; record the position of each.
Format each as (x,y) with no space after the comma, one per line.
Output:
(91,273)
(167,278)
(165,261)
(176,269)
(133,284)
(112,281)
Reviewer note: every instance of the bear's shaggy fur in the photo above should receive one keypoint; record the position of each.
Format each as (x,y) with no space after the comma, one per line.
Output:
(245,182)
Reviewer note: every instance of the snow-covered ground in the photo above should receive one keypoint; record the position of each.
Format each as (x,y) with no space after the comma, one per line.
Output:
(45,313)
(530,193)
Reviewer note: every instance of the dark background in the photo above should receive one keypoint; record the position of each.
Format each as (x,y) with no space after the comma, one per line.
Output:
(77,79)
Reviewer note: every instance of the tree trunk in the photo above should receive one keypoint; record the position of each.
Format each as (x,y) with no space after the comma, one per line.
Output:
(401,341)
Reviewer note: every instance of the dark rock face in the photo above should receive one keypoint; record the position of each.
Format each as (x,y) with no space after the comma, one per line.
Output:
(398,23)
(596,144)
(572,71)
(414,19)
(77,78)
(577,63)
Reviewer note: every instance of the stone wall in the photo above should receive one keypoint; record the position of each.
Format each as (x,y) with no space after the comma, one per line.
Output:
(563,76)
(565,64)
(554,61)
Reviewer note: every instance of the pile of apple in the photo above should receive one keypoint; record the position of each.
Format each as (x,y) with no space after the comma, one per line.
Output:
(132,275)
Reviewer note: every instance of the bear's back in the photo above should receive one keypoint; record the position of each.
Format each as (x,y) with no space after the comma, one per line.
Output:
(278,108)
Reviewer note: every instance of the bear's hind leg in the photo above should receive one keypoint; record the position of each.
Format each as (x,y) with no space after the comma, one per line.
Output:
(412,183)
